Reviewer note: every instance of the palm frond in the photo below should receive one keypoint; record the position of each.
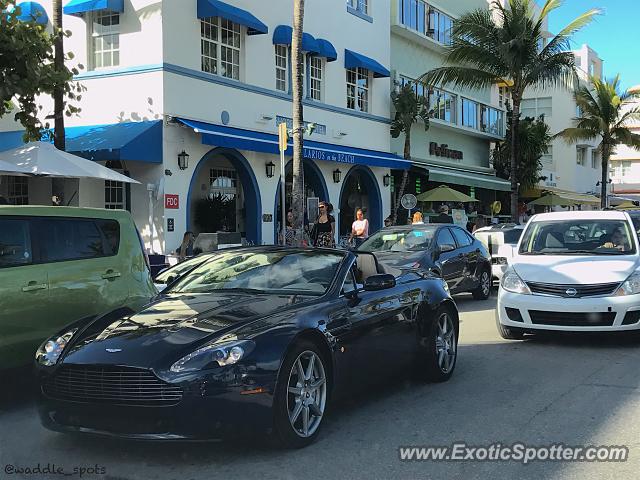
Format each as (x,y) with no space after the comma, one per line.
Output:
(460,77)
(626,137)
(574,135)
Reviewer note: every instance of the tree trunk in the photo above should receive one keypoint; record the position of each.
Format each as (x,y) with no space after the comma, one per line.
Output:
(604,179)
(297,201)
(58,93)
(515,126)
(405,175)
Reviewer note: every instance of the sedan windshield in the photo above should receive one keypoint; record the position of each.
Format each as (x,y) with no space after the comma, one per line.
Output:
(180,268)
(299,272)
(396,240)
(578,237)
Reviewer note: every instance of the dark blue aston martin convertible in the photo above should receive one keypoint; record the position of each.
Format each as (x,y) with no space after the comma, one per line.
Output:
(258,339)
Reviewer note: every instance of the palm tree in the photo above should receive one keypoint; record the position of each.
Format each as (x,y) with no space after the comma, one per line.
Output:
(504,45)
(58,92)
(604,114)
(409,107)
(297,193)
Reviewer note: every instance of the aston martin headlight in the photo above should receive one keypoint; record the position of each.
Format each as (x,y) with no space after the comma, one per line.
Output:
(217,354)
(49,352)
(511,282)
(631,286)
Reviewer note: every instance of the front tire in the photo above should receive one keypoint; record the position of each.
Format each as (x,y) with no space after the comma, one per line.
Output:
(509,333)
(483,290)
(438,359)
(301,396)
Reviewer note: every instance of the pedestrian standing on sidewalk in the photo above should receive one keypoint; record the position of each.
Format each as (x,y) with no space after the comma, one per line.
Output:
(417,219)
(359,229)
(444,216)
(324,228)
(186,247)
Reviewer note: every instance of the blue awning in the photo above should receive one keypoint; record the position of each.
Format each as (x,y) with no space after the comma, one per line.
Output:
(353,60)
(138,141)
(33,11)
(327,50)
(241,139)
(78,7)
(215,8)
(282,35)
(9,140)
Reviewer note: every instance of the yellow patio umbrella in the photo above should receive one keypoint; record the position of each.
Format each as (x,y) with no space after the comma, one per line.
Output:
(551,200)
(627,205)
(445,194)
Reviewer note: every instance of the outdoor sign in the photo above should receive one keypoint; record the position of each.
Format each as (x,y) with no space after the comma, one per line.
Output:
(171,225)
(408,201)
(171,201)
(444,151)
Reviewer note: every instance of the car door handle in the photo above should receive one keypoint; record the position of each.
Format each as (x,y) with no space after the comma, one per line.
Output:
(109,274)
(32,286)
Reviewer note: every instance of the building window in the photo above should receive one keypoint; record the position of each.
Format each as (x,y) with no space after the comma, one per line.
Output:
(440,26)
(534,107)
(547,158)
(491,120)
(594,158)
(419,16)
(469,113)
(105,39)
(581,154)
(443,105)
(223,182)
(504,97)
(361,6)
(315,78)
(114,197)
(282,68)
(221,47)
(18,190)
(358,85)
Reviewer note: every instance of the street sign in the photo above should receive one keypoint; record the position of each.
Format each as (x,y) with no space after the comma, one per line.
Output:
(171,201)
(283,137)
(408,201)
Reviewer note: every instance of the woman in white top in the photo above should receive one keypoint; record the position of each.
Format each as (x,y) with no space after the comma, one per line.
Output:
(359,228)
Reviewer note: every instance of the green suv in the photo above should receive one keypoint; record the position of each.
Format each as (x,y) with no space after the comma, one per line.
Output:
(62,264)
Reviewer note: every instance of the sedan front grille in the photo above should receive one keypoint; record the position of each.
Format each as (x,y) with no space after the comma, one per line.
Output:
(580,319)
(111,386)
(559,290)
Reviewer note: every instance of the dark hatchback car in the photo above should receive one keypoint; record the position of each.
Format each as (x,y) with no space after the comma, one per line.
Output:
(446,250)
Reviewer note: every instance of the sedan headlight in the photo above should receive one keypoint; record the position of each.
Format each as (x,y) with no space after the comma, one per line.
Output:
(511,282)
(49,352)
(631,286)
(219,354)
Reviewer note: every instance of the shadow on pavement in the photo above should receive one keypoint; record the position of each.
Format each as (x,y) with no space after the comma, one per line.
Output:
(18,388)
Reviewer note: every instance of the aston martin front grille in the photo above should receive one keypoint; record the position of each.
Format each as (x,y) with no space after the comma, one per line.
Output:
(111,385)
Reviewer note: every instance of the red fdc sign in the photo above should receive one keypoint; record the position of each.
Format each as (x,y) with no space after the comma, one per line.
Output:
(171,201)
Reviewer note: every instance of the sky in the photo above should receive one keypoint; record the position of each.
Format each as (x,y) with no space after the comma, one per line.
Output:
(615,34)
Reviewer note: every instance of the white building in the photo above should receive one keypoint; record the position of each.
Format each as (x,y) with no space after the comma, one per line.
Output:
(569,167)
(212,79)
(456,148)
(624,163)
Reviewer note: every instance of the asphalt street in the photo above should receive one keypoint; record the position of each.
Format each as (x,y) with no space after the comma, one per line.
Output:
(543,391)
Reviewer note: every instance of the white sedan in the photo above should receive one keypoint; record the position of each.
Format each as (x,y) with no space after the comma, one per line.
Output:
(572,271)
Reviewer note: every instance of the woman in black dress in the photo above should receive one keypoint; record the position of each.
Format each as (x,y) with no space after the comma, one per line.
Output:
(325,227)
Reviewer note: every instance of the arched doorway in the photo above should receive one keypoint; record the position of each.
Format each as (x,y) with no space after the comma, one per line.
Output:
(224,196)
(360,190)
(314,184)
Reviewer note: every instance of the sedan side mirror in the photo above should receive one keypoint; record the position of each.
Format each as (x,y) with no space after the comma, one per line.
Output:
(381,281)
(444,248)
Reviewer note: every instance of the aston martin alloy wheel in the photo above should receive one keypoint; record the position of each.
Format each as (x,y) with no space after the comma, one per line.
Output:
(301,396)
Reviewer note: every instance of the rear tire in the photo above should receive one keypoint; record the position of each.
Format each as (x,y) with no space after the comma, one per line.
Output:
(301,396)
(483,290)
(437,360)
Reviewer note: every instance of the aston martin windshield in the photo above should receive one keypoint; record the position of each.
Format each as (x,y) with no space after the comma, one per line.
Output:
(399,240)
(301,272)
(583,237)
